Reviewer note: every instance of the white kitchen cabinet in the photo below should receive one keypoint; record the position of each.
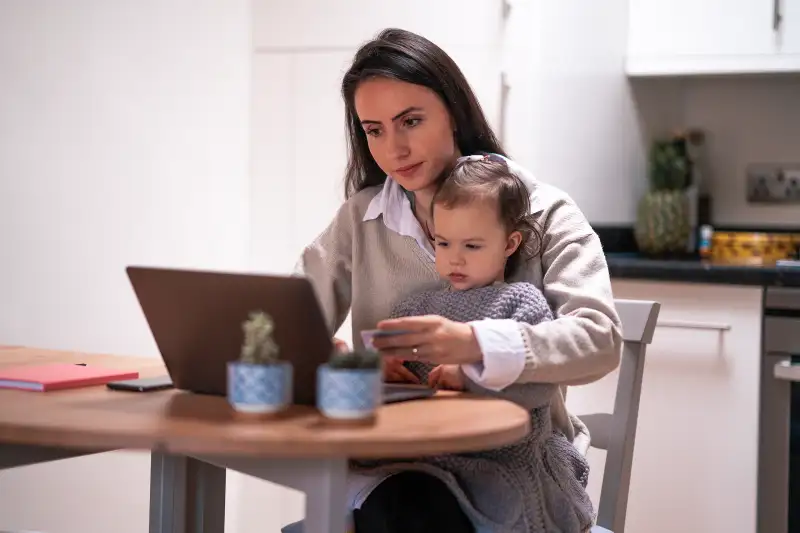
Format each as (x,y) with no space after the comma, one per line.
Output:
(696,455)
(311,24)
(712,37)
(472,37)
(791,24)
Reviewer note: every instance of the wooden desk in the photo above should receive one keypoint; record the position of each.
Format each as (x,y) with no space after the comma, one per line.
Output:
(194,438)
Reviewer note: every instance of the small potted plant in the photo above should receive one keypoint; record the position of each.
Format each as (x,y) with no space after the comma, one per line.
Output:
(350,385)
(259,382)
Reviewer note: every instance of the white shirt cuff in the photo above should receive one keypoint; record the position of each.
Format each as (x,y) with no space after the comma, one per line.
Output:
(504,353)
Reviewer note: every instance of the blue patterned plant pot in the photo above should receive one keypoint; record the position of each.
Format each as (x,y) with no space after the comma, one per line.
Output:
(259,388)
(348,393)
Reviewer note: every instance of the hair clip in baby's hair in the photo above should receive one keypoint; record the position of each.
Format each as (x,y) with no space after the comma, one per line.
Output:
(481,157)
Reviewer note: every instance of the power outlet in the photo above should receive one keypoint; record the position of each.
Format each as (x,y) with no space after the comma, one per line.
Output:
(773,183)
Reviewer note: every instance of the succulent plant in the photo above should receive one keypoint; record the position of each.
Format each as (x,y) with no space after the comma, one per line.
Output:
(259,347)
(355,360)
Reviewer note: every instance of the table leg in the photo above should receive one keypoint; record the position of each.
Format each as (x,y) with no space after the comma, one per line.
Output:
(186,495)
(324,481)
(326,498)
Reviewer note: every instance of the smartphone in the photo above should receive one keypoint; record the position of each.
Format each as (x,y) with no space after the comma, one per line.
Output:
(142,384)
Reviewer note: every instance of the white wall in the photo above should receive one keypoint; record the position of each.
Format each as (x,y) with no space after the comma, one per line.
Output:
(747,119)
(124,132)
(123,139)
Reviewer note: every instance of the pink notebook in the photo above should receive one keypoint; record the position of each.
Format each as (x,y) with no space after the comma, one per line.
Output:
(59,376)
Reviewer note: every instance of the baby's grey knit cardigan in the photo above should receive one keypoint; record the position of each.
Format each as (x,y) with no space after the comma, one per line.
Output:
(536,485)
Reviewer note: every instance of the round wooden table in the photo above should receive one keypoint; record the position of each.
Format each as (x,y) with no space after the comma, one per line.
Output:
(194,437)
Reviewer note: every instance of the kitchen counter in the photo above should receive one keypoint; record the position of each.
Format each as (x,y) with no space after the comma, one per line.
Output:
(633,266)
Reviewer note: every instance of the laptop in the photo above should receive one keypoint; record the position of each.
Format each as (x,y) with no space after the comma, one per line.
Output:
(196,318)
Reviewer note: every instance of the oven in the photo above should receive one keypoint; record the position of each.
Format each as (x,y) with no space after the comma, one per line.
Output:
(779,427)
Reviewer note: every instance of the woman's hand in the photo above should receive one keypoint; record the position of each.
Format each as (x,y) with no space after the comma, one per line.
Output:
(340,346)
(446,377)
(430,338)
(393,369)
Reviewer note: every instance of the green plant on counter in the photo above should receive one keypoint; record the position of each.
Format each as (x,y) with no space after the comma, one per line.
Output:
(662,219)
(259,346)
(355,360)
(670,168)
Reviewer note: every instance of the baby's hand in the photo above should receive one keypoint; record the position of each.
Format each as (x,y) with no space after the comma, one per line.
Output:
(446,377)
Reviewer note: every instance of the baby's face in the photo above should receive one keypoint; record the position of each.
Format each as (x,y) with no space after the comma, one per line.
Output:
(472,244)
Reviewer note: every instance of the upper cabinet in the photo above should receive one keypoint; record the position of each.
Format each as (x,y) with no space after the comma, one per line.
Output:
(791,28)
(349,23)
(688,37)
(473,37)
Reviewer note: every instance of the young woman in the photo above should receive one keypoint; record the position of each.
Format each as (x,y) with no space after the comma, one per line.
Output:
(410,115)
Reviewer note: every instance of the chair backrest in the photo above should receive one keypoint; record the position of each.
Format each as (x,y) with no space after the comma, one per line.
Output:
(616,432)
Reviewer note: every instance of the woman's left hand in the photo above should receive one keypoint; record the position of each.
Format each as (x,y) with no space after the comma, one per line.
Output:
(430,338)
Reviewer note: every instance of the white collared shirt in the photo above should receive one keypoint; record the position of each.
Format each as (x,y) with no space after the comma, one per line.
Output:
(501,340)
(394,206)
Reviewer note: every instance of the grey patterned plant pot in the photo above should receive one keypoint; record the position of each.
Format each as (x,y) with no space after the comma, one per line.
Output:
(349,394)
(259,388)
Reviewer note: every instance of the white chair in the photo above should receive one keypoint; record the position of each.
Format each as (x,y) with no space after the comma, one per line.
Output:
(616,432)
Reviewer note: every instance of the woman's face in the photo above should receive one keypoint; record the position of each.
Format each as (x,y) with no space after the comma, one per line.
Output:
(409,131)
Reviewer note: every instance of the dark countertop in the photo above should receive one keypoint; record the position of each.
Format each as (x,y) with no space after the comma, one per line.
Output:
(633,266)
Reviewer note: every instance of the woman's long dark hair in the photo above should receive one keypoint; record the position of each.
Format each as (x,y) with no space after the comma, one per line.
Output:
(405,56)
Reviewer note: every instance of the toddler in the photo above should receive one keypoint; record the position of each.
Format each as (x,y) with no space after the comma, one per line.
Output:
(483,231)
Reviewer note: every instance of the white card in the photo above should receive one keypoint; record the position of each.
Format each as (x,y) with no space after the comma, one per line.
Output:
(368,334)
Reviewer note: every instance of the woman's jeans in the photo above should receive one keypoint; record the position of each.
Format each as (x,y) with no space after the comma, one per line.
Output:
(411,502)
(407,502)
